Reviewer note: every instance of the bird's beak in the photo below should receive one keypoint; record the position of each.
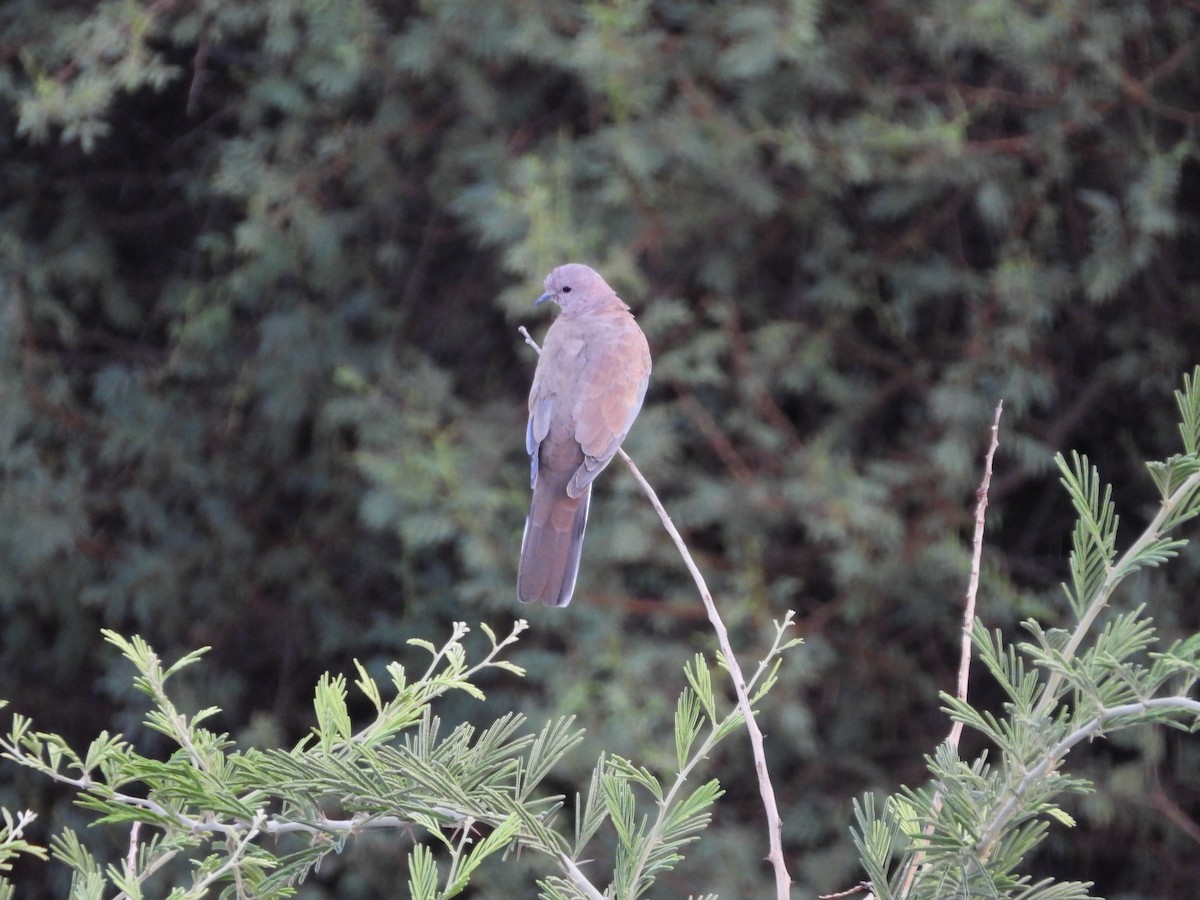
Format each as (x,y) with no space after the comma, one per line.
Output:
(542,299)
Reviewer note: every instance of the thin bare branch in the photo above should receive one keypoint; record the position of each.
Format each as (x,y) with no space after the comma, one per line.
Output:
(783,881)
(964,662)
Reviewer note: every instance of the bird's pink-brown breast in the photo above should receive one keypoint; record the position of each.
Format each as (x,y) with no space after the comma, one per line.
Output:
(590,383)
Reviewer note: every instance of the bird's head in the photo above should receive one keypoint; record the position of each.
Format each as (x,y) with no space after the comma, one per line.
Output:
(577,287)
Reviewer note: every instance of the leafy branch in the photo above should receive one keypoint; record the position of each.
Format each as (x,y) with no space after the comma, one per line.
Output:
(967,832)
(651,843)
(215,804)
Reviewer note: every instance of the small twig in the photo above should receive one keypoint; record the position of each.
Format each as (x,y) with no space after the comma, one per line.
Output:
(529,340)
(24,817)
(1163,804)
(964,662)
(850,892)
(783,881)
(199,61)
(237,850)
(131,857)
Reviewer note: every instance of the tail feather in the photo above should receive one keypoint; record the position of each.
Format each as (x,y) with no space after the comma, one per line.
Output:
(552,545)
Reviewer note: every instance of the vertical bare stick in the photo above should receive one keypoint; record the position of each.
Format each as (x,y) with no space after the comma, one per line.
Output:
(783,881)
(981,495)
(964,662)
(131,856)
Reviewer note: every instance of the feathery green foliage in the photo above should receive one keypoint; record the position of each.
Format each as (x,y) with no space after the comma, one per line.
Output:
(217,805)
(970,829)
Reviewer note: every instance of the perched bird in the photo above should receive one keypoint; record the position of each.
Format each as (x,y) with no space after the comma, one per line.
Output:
(587,390)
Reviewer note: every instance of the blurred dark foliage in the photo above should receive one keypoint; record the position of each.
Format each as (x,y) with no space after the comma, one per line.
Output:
(261,267)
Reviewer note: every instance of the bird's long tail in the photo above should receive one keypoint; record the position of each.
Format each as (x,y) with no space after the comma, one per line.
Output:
(552,544)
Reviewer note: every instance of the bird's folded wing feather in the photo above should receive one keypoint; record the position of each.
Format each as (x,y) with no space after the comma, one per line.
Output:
(609,394)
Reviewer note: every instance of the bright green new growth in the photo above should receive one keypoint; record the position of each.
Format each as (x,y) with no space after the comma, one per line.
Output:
(968,830)
(474,792)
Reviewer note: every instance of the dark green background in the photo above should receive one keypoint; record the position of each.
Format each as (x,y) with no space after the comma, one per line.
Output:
(261,269)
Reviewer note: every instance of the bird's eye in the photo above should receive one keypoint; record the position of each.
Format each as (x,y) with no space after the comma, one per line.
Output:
(566,289)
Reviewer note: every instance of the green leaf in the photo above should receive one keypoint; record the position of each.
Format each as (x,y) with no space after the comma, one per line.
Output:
(369,688)
(333,716)
(688,724)
(1188,401)
(422,874)
(1171,474)
(700,679)
(623,768)
(1095,534)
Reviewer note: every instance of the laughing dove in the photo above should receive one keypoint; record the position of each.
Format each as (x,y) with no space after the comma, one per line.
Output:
(587,390)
